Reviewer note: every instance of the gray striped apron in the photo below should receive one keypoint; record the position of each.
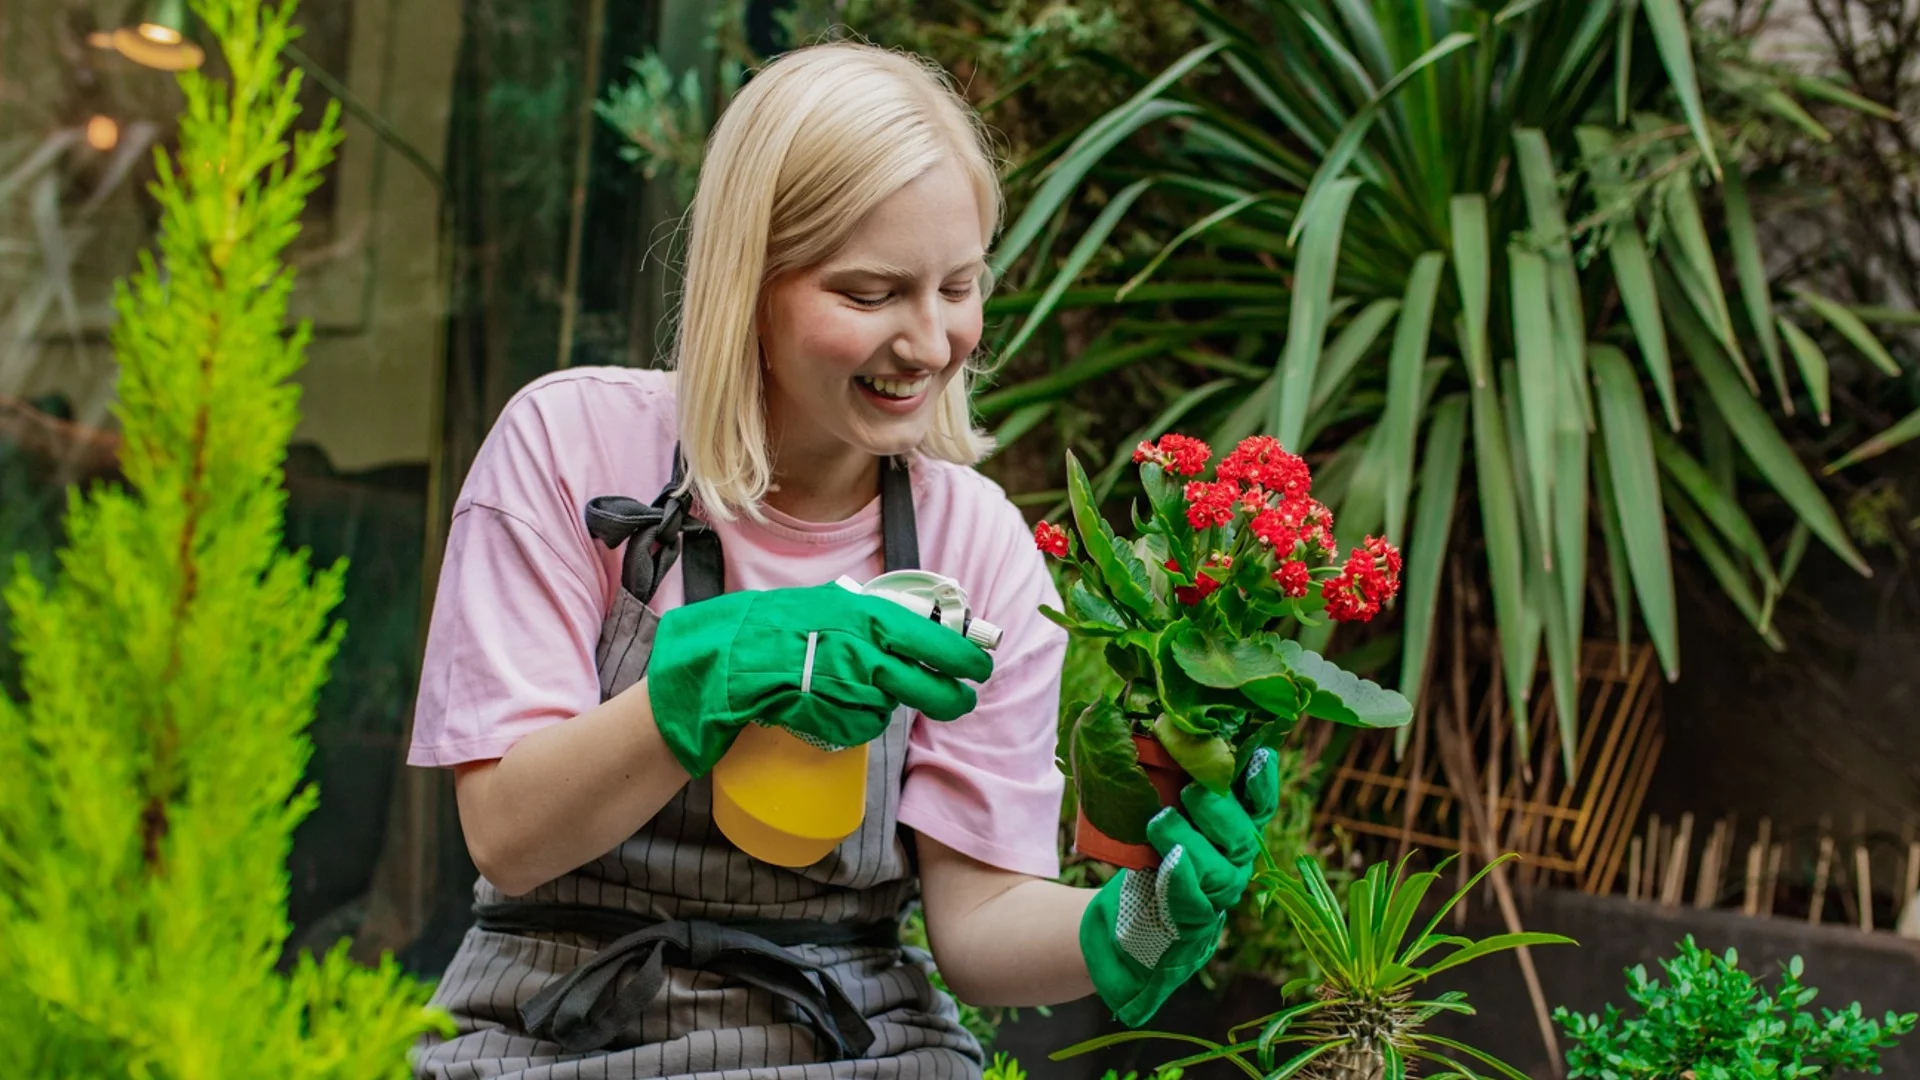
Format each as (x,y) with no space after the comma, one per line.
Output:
(678,956)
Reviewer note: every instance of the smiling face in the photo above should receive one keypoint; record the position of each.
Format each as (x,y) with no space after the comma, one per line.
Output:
(859,348)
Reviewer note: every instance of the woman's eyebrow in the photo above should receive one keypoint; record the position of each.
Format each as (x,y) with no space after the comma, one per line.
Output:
(890,272)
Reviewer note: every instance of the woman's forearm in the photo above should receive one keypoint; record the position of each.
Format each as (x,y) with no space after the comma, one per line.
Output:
(568,793)
(1002,938)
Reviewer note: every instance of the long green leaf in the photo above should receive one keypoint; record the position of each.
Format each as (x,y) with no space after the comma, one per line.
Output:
(1825,90)
(1488,1060)
(1473,266)
(1699,275)
(1903,432)
(1355,131)
(1533,349)
(1752,271)
(1497,943)
(1623,59)
(1636,490)
(1549,219)
(1812,361)
(1500,521)
(1632,267)
(1400,421)
(1763,443)
(1224,213)
(1670,37)
(1569,540)
(1427,550)
(1083,252)
(1091,145)
(1348,348)
(1306,329)
(1720,506)
(1619,578)
(1850,327)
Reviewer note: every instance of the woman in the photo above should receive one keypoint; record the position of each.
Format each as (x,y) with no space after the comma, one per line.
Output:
(592,656)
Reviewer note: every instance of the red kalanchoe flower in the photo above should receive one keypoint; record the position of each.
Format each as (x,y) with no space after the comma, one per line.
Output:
(1260,460)
(1293,578)
(1385,556)
(1278,530)
(1203,585)
(1051,539)
(1211,504)
(1176,453)
(1370,579)
(1316,526)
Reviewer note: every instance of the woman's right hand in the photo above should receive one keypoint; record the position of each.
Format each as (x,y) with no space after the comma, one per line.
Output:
(827,664)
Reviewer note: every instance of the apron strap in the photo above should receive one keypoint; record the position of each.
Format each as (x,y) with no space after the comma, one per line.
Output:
(586,1009)
(659,534)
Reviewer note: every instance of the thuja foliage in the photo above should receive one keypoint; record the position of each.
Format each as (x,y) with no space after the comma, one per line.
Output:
(171,663)
(1712,1021)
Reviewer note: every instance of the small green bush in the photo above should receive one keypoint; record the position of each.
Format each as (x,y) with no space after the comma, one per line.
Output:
(1712,1021)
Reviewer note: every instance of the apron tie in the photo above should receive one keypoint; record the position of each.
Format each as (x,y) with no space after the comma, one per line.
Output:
(588,1007)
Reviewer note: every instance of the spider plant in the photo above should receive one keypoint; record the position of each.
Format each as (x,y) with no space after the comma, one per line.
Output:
(1359,1017)
(1461,243)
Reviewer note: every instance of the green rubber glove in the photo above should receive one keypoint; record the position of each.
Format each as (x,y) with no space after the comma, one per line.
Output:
(825,663)
(1146,933)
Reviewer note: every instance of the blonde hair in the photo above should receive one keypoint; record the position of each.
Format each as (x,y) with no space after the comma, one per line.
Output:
(806,149)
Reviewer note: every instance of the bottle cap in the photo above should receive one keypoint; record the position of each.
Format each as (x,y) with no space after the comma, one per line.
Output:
(984,634)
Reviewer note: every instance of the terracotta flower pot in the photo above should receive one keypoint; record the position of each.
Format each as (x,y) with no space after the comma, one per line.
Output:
(1167,778)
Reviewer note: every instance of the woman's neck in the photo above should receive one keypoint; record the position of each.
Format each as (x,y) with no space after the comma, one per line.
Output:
(824,485)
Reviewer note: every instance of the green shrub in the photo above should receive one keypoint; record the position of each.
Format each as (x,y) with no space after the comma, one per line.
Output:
(1712,1021)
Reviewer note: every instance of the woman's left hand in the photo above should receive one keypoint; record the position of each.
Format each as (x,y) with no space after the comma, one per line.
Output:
(1146,933)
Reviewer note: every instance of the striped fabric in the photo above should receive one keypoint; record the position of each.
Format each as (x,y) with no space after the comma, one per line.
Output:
(680,867)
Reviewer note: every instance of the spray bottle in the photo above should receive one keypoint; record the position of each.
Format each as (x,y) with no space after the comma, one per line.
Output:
(789,803)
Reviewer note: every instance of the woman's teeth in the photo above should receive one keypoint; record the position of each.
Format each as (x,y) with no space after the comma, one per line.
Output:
(894,388)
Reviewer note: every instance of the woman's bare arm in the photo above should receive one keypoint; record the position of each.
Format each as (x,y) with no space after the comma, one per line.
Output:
(1000,937)
(568,793)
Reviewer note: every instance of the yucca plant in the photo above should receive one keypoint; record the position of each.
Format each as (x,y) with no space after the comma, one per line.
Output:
(1360,1017)
(1502,216)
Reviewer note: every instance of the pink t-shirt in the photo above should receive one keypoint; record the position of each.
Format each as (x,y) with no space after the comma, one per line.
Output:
(524,588)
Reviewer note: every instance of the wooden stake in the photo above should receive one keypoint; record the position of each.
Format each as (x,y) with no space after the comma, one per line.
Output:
(1706,887)
(1821,869)
(1913,873)
(1675,876)
(1863,877)
(1633,868)
(1656,846)
(1770,884)
(1755,854)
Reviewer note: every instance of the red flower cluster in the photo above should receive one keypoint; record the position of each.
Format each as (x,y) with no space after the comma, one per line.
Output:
(1370,578)
(1180,454)
(1210,504)
(1294,579)
(1261,461)
(1295,521)
(1051,539)
(1203,585)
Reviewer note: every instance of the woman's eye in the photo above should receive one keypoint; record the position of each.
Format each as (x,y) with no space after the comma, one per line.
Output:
(958,292)
(866,301)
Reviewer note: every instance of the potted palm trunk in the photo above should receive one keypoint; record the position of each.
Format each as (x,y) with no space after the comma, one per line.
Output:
(1195,614)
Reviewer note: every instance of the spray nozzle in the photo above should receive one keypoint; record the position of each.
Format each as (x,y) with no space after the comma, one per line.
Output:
(935,596)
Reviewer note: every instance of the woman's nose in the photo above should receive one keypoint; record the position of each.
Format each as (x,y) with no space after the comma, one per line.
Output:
(922,340)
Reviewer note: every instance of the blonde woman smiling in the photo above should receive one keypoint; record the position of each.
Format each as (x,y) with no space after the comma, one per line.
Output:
(593,655)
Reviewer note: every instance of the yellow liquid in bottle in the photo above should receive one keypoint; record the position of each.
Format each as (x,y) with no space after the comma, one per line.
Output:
(787,803)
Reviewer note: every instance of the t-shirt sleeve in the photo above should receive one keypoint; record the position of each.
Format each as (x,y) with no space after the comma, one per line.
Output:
(987,784)
(517,612)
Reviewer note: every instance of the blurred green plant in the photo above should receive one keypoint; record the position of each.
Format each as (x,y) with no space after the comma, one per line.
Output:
(1712,1021)
(171,664)
(1450,243)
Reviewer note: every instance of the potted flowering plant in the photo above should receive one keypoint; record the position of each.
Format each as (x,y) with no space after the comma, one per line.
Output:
(1194,613)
